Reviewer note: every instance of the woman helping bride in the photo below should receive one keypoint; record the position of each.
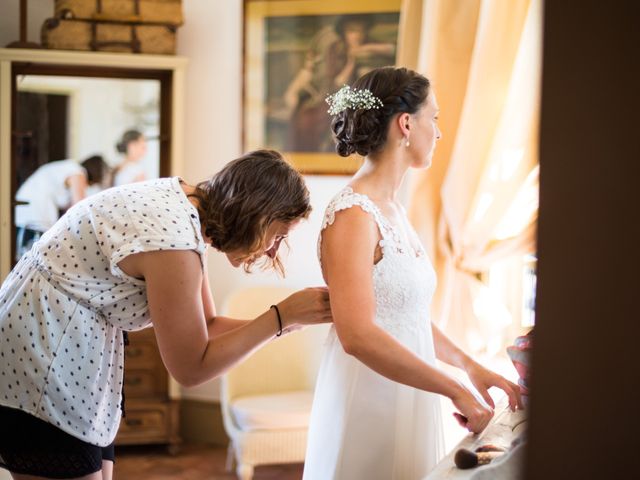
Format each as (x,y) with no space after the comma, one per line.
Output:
(376,412)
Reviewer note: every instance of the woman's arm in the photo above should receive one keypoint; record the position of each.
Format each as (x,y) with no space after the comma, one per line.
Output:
(78,186)
(178,315)
(345,73)
(373,47)
(348,269)
(215,324)
(299,83)
(140,177)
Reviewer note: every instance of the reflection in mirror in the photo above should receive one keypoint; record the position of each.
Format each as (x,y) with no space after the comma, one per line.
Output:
(75,136)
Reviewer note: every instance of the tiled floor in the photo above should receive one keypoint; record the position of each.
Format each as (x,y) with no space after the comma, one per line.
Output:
(192,462)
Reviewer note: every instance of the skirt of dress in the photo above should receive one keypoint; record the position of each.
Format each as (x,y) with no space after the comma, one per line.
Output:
(365,426)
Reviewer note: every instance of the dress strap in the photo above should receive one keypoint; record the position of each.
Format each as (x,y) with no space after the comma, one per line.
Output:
(346,199)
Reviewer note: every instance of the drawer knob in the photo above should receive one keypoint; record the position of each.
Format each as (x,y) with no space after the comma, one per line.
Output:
(133,352)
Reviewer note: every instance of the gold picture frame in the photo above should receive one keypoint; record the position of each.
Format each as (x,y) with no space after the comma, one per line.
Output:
(296,52)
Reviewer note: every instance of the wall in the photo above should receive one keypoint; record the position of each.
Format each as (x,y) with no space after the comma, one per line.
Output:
(38,11)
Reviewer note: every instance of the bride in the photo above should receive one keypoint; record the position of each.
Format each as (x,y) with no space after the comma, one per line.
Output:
(376,412)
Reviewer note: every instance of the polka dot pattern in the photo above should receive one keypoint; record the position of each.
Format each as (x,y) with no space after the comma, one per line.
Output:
(64,306)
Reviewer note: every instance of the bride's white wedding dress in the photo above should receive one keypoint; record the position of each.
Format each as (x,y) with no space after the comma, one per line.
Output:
(364,426)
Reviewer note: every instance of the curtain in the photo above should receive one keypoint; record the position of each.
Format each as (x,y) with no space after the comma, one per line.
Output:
(477,204)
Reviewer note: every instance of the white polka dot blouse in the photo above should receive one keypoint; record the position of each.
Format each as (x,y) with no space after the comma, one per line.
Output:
(64,306)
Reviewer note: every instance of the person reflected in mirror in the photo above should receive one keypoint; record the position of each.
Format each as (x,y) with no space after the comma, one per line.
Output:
(133,146)
(51,190)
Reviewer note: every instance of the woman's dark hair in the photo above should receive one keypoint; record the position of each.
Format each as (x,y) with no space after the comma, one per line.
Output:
(96,169)
(239,203)
(128,137)
(340,25)
(365,131)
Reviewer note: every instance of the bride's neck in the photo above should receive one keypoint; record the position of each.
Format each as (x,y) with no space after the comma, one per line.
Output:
(381,177)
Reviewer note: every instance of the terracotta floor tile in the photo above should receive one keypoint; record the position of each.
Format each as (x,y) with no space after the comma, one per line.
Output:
(192,462)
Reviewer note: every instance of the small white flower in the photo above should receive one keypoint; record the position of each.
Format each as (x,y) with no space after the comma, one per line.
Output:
(353,98)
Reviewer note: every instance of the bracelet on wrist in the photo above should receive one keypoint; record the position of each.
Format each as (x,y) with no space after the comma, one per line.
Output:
(275,307)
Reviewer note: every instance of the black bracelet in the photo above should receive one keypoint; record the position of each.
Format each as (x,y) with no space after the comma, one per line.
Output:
(279,320)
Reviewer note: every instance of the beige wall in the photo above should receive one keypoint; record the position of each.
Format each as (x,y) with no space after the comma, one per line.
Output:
(38,11)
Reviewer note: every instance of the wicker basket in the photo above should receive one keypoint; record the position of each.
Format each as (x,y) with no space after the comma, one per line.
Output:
(108,36)
(132,11)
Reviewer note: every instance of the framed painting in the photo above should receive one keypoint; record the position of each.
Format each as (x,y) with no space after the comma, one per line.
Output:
(296,52)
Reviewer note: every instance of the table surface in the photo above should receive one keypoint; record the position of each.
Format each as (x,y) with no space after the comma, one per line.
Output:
(503,428)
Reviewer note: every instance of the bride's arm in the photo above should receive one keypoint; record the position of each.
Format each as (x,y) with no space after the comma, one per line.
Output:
(447,351)
(348,247)
(481,377)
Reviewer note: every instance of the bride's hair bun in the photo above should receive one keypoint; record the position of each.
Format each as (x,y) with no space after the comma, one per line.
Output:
(364,131)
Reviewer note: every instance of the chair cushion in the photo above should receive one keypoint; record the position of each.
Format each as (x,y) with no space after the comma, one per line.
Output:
(276,411)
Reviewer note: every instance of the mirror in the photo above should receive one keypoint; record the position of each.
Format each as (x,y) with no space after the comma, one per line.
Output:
(74,136)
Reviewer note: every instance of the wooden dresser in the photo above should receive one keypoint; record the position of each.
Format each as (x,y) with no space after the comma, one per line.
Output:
(152,417)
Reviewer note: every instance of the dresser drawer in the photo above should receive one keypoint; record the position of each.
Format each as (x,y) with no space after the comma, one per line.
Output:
(147,422)
(151,416)
(140,383)
(140,354)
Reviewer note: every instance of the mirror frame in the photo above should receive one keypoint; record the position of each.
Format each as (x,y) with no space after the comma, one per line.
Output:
(169,70)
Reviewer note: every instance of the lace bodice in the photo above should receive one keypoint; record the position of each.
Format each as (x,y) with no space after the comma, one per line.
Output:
(404,280)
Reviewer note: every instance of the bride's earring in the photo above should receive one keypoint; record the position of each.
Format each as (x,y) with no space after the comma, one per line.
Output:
(406,142)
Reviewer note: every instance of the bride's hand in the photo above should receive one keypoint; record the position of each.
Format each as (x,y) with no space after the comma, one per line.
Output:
(305,307)
(474,416)
(483,379)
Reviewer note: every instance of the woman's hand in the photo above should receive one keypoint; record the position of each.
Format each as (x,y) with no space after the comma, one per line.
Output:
(473,415)
(483,379)
(305,307)
(367,49)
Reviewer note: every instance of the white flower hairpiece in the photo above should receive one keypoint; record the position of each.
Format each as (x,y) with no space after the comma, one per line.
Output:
(353,98)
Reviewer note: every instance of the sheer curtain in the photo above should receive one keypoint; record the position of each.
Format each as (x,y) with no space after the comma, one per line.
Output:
(477,204)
